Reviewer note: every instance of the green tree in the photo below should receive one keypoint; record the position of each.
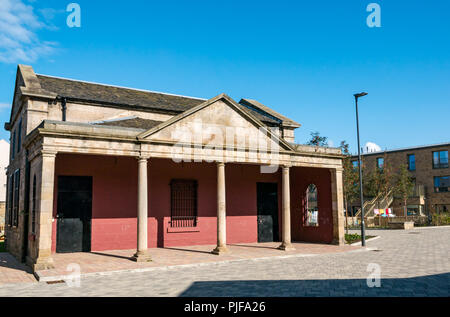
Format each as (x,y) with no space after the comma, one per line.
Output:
(404,186)
(380,181)
(350,180)
(317,140)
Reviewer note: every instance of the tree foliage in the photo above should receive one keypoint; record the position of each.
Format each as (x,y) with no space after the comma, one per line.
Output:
(317,140)
(404,185)
(350,180)
(380,180)
(350,176)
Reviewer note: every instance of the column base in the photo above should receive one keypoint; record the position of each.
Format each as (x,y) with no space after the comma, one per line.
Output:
(220,250)
(141,256)
(286,247)
(339,241)
(40,264)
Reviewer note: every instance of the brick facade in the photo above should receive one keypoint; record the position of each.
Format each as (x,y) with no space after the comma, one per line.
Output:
(424,174)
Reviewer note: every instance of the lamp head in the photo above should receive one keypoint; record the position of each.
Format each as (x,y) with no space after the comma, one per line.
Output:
(361,94)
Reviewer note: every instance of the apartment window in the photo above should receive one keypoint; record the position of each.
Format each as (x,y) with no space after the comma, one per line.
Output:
(414,210)
(33,210)
(183,203)
(380,162)
(441,184)
(312,211)
(440,159)
(411,162)
(15,211)
(442,208)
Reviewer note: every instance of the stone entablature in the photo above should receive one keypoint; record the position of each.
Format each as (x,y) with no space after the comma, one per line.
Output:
(83,138)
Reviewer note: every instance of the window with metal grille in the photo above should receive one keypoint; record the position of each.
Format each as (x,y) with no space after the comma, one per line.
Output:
(33,210)
(15,213)
(183,203)
(9,201)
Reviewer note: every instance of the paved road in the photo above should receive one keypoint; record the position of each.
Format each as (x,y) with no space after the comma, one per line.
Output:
(412,263)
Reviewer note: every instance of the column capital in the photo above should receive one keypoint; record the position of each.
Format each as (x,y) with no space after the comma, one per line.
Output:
(48,153)
(286,166)
(142,158)
(220,163)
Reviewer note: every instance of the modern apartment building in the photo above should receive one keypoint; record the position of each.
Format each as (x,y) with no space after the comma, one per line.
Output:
(430,170)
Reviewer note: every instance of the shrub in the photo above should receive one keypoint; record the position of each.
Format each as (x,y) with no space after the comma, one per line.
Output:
(441,219)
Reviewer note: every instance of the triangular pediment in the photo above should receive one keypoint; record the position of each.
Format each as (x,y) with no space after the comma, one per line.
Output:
(217,122)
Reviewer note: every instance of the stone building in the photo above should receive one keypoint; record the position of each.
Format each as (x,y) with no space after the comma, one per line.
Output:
(428,165)
(98,167)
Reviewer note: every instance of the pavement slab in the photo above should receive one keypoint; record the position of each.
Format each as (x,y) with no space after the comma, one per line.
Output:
(409,265)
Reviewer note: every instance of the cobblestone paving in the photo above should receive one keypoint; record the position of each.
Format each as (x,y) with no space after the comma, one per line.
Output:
(413,263)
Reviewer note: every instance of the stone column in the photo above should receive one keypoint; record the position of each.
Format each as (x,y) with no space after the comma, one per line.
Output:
(221,211)
(142,254)
(46,176)
(286,217)
(337,199)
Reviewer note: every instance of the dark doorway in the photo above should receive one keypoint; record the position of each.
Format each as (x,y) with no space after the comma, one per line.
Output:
(74,214)
(267,200)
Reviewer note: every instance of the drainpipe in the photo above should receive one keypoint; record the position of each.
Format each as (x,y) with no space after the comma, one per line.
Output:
(63,105)
(63,108)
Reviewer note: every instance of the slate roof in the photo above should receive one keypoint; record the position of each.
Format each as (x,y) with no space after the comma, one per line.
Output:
(136,122)
(268,112)
(269,121)
(112,95)
(126,97)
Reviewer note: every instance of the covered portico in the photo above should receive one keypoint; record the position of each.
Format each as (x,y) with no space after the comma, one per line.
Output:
(144,156)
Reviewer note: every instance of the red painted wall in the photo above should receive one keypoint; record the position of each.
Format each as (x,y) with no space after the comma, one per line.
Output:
(300,179)
(114,203)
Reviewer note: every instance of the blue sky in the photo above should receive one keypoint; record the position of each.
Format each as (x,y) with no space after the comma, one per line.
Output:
(305,59)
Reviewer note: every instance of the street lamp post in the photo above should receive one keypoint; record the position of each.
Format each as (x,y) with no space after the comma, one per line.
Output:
(363,233)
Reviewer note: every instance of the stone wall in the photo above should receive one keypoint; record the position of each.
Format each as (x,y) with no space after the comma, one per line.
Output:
(15,234)
(2,217)
(383,221)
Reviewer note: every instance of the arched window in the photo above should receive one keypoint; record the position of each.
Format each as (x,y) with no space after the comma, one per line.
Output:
(312,211)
